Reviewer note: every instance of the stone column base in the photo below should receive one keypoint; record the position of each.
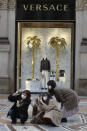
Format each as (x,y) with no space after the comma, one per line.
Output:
(4,85)
(82,87)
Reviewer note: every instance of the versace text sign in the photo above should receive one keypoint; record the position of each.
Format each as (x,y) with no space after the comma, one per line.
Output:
(45,10)
(45,7)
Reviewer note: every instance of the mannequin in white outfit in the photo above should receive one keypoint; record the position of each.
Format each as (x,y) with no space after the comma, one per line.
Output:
(45,69)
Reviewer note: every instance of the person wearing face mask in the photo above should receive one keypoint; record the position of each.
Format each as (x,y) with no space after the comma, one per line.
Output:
(20,108)
(46,111)
(67,97)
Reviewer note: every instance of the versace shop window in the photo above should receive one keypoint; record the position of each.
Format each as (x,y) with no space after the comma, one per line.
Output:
(45,44)
(44,52)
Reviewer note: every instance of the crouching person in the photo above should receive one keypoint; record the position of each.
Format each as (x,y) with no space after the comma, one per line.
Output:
(67,97)
(20,108)
(46,111)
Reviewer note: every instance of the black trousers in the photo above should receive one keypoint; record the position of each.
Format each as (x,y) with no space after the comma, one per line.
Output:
(15,114)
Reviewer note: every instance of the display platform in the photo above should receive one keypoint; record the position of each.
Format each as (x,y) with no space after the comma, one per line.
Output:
(34,86)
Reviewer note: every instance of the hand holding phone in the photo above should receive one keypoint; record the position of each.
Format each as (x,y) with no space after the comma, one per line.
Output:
(40,101)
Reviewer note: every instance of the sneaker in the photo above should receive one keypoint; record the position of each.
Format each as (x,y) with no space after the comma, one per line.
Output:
(42,88)
(22,122)
(64,120)
(13,122)
(33,121)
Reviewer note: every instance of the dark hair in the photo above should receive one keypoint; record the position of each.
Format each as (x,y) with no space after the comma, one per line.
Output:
(28,93)
(51,83)
(48,98)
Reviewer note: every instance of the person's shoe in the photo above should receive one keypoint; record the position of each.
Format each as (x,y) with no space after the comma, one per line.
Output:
(42,88)
(13,122)
(22,122)
(33,121)
(64,120)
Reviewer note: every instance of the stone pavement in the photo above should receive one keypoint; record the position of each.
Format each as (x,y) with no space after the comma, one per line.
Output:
(75,123)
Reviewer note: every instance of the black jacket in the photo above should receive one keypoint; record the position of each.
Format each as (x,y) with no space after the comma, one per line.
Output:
(23,105)
(45,65)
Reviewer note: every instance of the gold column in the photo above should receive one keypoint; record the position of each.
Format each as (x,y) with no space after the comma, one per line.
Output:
(32,63)
(18,55)
(57,64)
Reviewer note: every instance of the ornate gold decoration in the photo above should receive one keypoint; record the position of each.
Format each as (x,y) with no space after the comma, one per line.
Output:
(33,42)
(57,43)
(7,4)
(81,5)
(11,4)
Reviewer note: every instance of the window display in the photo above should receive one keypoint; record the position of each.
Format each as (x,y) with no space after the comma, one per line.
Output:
(40,35)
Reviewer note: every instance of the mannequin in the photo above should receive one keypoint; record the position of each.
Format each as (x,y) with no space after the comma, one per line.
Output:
(62,78)
(45,69)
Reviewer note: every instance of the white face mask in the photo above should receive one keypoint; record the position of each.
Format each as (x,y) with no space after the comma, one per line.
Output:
(49,87)
(23,96)
(44,98)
